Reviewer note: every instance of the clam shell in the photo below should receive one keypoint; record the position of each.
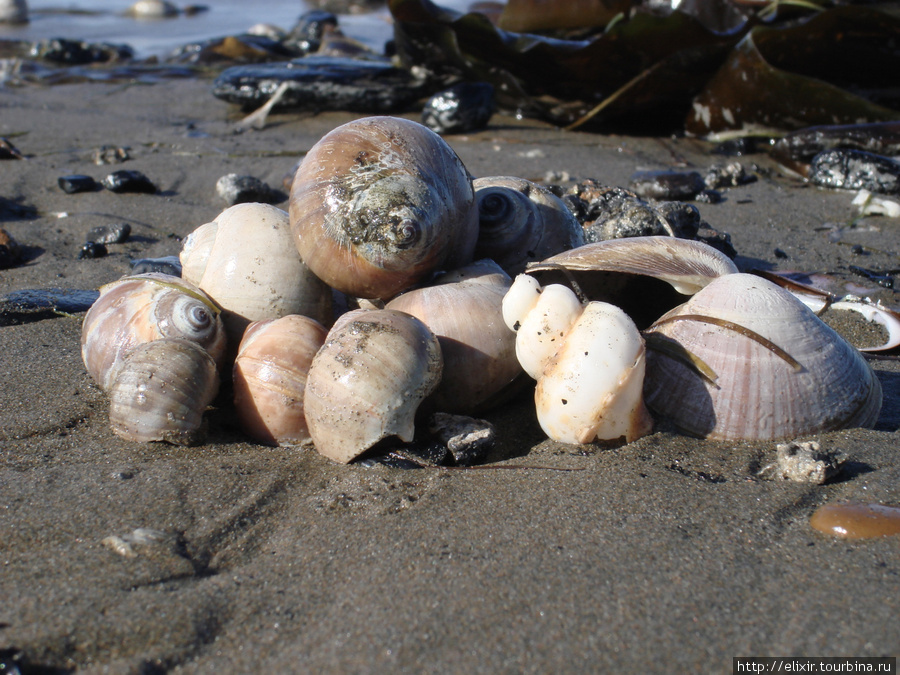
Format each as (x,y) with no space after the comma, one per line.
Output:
(367,381)
(819,382)
(161,391)
(463,308)
(521,222)
(270,378)
(246,261)
(143,308)
(379,203)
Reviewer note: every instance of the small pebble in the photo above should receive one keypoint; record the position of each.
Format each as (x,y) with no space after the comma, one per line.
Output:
(8,150)
(670,185)
(781,254)
(462,108)
(806,462)
(77,183)
(854,520)
(235,189)
(167,265)
(92,249)
(128,181)
(110,234)
(468,439)
(110,154)
(732,174)
(10,251)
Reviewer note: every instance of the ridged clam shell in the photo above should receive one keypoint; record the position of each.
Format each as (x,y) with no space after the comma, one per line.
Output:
(270,378)
(757,394)
(246,261)
(463,309)
(521,222)
(379,203)
(367,381)
(161,391)
(143,308)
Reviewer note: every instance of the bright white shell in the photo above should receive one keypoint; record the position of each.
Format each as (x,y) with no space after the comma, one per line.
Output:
(757,394)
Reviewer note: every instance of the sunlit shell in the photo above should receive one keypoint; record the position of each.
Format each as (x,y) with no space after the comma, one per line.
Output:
(161,392)
(711,375)
(463,308)
(379,203)
(270,378)
(143,308)
(367,381)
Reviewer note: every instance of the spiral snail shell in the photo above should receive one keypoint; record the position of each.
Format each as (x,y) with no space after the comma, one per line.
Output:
(745,359)
(463,308)
(143,308)
(270,378)
(367,381)
(161,391)
(246,261)
(521,222)
(379,203)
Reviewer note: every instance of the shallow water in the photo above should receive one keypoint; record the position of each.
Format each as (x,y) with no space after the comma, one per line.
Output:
(104,21)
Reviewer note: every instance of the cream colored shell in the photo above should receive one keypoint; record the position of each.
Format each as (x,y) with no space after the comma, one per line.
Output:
(270,378)
(367,381)
(818,382)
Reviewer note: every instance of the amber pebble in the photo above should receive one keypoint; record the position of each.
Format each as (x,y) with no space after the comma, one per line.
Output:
(855,520)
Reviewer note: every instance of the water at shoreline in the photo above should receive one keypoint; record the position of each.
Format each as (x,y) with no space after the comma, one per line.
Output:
(104,21)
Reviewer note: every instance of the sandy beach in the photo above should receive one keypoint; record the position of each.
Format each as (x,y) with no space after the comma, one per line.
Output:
(669,554)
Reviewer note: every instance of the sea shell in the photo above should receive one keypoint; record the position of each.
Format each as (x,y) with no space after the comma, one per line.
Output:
(645,276)
(246,261)
(744,359)
(270,378)
(521,222)
(588,362)
(380,203)
(463,308)
(143,308)
(367,381)
(161,391)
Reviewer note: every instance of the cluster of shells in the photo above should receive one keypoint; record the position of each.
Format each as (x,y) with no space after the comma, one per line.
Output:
(463,288)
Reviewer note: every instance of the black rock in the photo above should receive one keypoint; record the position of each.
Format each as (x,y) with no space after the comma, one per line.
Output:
(462,108)
(319,83)
(110,234)
(59,299)
(77,183)
(92,249)
(166,265)
(74,52)
(306,36)
(128,181)
(235,189)
(855,170)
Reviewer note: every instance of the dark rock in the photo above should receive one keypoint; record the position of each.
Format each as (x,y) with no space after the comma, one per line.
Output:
(77,183)
(317,83)
(306,35)
(10,251)
(850,169)
(462,108)
(128,181)
(166,265)
(58,299)
(76,53)
(92,249)
(110,234)
(235,189)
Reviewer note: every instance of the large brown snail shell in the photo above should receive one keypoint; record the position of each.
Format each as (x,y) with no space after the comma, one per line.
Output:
(521,222)
(143,308)
(161,392)
(379,203)
(246,261)
(463,308)
(270,377)
(367,381)
(745,359)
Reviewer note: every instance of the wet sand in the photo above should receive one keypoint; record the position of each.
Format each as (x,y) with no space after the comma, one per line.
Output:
(669,554)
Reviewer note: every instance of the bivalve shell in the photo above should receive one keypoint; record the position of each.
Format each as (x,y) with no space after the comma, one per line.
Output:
(745,359)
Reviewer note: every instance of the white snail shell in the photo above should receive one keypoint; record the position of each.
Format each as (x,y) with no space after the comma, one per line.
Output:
(367,381)
(143,308)
(588,361)
(521,222)
(817,382)
(463,308)
(161,391)
(270,378)
(379,203)
(246,261)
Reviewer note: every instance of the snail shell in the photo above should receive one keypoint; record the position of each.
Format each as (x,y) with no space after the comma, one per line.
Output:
(379,203)
(588,361)
(463,308)
(521,222)
(270,378)
(368,379)
(246,261)
(161,391)
(805,379)
(143,308)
